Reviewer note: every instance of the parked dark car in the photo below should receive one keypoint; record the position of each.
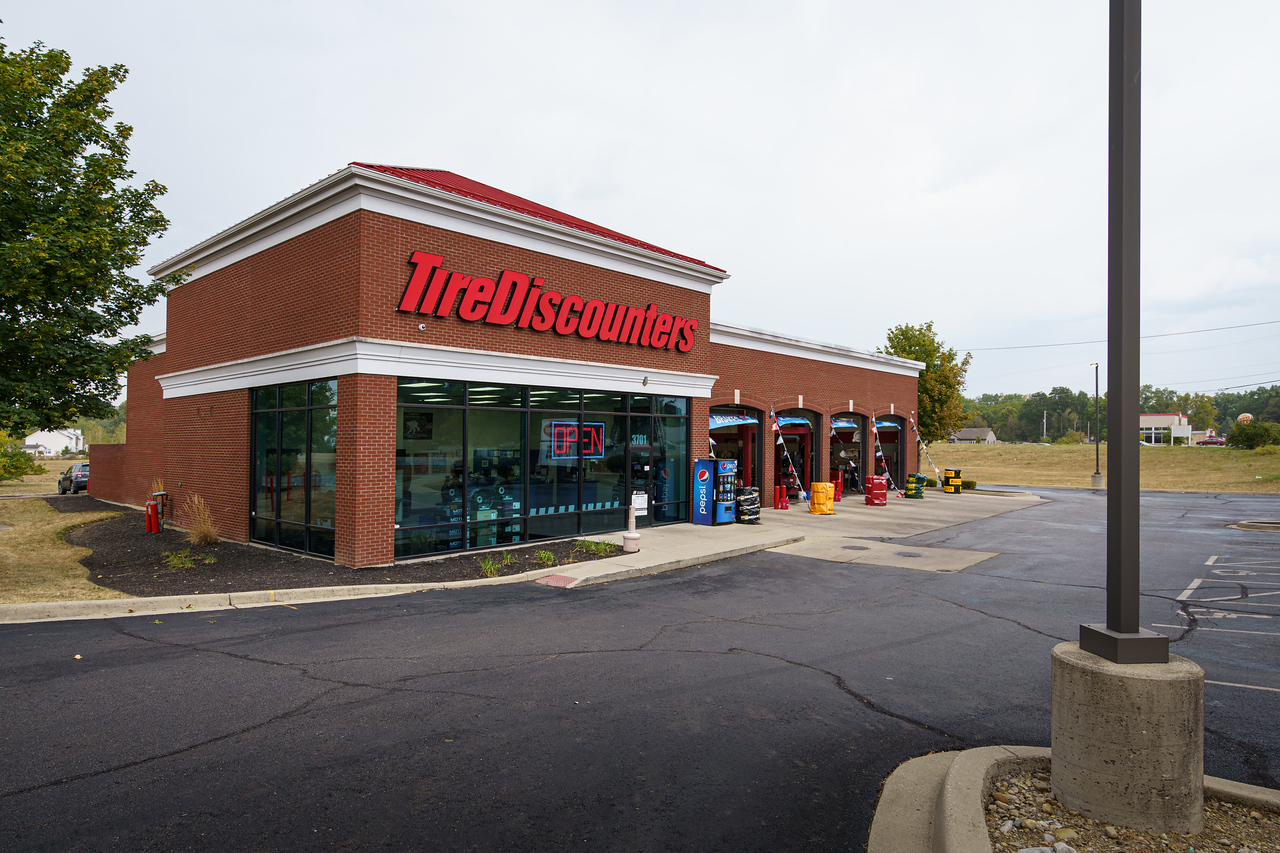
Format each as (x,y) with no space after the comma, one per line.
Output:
(75,479)
(1213,442)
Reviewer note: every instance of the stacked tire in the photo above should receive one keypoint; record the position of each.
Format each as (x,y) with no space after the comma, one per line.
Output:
(951,481)
(915,486)
(748,506)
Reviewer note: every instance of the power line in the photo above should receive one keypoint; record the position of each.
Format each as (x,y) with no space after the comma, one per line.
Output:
(1144,337)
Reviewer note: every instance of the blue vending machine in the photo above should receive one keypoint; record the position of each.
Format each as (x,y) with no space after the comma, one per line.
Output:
(713,491)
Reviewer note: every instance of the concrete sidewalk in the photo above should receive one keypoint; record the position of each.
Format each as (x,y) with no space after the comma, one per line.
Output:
(852,535)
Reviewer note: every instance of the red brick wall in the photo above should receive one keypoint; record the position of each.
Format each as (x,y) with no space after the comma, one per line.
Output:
(768,380)
(107,471)
(389,242)
(126,471)
(365,510)
(304,291)
(346,278)
(206,452)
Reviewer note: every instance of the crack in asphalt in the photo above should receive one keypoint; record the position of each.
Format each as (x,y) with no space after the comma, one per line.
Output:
(304,670)
(78,777)
(843,686)
(992,616)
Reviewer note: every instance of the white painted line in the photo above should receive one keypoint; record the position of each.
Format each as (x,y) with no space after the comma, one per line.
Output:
(1211,560)
(1249,686)
(1186,592)
(1267,563)
(1220,630)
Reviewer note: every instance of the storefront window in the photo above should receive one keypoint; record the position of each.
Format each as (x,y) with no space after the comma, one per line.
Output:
(295,447)
(430,468)
(603,401)
(495,476)
(481,465)
(554,398)
(603,461)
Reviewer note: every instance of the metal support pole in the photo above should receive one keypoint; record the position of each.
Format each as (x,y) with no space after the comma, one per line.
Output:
(1097,426)
(1122,640)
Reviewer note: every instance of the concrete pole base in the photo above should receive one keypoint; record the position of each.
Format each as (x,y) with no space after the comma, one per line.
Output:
(1097,481)
(1128,740)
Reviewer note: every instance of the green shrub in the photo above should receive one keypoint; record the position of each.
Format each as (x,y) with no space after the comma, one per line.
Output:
(1266,450)
(489,566)
(16,463)
(1253,434)
(546,558)
(968,485)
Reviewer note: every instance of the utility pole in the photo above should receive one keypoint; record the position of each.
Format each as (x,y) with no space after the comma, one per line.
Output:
(1044,424)
(1097,433)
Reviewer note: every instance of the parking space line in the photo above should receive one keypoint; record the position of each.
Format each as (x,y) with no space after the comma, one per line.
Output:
(1186,592)
(1246,686)
(1221,630)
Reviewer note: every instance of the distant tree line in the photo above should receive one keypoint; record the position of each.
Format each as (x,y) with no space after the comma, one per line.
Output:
(1067,416)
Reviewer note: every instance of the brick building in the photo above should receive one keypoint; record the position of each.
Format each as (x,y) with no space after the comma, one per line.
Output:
(397,362)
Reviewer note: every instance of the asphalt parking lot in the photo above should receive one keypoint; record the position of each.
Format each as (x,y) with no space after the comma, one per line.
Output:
(755,703)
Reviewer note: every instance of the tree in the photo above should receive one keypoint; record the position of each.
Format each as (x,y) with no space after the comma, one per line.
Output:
(72,223)
(940,410)
(1253,434)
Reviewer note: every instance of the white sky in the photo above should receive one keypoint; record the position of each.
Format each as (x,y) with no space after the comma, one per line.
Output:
(854,165)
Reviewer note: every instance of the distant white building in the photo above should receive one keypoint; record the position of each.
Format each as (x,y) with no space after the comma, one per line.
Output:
(1162,428)
(53,442)
(974,435)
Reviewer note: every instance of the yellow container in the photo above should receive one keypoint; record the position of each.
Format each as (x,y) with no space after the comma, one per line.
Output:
(822,499)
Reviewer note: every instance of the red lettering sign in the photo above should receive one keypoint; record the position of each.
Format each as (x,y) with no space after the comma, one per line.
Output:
(512,300)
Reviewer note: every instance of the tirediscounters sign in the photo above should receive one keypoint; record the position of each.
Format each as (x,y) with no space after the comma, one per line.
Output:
(514,299)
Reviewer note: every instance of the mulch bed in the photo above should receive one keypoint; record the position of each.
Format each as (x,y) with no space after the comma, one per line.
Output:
(127,559)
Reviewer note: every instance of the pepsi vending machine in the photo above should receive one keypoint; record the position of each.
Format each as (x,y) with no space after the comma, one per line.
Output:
(713,490)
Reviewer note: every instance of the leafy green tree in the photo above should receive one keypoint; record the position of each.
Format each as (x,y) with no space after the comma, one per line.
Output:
(72,223)
(1253,434)
(940,409)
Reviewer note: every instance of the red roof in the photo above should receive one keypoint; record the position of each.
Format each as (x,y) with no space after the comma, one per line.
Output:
(458,185)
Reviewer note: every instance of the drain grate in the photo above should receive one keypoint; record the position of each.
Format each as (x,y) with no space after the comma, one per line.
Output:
(1271,525)
(855,547)
(907,554)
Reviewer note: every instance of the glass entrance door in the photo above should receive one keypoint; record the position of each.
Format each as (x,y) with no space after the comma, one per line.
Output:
(640,470)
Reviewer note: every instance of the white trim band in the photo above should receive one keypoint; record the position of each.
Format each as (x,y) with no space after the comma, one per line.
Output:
(395,358)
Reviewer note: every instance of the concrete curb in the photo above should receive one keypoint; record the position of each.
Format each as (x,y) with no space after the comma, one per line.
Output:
(680,563)
(936,803)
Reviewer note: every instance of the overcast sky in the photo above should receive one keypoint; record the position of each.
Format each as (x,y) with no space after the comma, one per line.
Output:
(854,165)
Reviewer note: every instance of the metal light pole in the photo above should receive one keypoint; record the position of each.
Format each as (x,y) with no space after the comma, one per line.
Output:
(1097,433)
(1121,640)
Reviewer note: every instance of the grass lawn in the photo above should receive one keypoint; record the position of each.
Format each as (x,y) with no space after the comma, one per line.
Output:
(35,563)
(39,484)
(1192,469)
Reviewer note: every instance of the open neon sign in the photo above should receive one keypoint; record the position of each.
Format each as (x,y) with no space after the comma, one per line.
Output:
(569,440)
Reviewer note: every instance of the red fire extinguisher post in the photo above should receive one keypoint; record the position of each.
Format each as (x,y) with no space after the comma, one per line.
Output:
(153,517)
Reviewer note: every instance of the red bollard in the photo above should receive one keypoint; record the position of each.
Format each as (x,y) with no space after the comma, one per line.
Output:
(153,517)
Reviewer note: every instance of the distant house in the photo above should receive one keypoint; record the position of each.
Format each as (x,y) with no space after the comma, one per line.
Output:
(974,435)
(52,442)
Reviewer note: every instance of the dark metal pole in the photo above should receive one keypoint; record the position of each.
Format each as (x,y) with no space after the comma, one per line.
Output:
(1097,425)
(1122,640)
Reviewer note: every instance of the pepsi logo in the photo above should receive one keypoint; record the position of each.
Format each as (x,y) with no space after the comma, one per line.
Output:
(704,475)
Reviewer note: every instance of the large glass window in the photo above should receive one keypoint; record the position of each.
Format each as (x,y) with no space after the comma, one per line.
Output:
(481,465)
(295,447)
